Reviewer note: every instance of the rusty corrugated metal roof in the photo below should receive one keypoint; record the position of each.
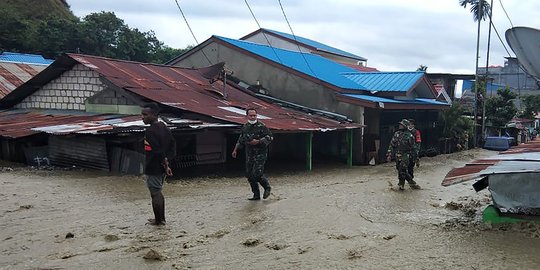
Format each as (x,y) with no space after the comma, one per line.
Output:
(518,159)
(12,75)
(19,123)
(189,90)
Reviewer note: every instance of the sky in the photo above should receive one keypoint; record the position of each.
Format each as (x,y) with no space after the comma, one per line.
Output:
(394,35)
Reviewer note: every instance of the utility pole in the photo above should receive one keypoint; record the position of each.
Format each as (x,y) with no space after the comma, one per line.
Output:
(487,74)
(475,135)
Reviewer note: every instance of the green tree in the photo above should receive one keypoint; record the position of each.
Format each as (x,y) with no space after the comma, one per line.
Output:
(54,36)
(455,123)
(101,33)
(532,106)
(501,109)
(166,53)
(422,68)
(14,31)
(479,8)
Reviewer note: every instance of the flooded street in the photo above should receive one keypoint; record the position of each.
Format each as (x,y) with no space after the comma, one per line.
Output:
(330,218)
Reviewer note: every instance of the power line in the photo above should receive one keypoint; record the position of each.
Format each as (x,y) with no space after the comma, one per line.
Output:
(506,13)
(294,36)
(189,27)
(264,34)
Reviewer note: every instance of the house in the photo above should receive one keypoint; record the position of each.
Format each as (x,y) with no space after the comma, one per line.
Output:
(84,110)
(17,68)
(377,100)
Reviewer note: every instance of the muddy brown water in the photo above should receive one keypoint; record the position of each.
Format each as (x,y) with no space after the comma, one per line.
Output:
(333,217)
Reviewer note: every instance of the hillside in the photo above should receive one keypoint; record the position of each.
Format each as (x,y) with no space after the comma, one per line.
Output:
(38,9)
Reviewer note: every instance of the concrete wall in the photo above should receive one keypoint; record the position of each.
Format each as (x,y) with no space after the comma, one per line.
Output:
(67,92)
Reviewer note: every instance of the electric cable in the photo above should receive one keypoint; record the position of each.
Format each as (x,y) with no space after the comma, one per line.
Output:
(259,25)
(189,27)
(295,39)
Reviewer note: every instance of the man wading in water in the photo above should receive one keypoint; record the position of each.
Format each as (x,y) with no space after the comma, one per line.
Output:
(159,145)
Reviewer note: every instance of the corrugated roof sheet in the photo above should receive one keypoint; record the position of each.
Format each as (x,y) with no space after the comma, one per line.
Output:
(319,67)
(416,101)
(518,159)
(19,123)
(317,45)
(24,58)
(187,89)
(12,75)
(386,81)
(332,72)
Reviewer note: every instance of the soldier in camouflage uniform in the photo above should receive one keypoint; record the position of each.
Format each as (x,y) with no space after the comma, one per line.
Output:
(401,147)
(255,137)
(415,158)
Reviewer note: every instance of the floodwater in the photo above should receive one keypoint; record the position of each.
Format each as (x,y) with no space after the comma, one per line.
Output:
(333,217)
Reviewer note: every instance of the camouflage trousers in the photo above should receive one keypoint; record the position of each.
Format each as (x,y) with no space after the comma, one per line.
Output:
(255,174)
(402,166)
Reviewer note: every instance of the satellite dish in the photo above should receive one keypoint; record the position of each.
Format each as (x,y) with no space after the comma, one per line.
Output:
(525,42)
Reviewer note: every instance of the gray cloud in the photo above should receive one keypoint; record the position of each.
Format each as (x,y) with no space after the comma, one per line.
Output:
(392,34)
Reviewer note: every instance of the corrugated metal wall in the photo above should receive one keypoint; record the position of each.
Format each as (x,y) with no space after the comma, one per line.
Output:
(84,152)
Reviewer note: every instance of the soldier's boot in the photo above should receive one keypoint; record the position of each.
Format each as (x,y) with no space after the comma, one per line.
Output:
(255,189)
(414,186)
(266,186)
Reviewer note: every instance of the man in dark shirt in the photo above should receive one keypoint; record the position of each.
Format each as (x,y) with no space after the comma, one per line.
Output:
(255,137)
(159,146)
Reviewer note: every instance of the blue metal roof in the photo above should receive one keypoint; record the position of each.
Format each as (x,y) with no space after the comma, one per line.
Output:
(24,58)
(319,67)
(317,45)
(331,72)
(386,81)
(422,101)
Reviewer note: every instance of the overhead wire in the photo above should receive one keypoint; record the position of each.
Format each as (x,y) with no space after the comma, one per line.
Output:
(259,25)
(506,14)
(190,30)
(295,39)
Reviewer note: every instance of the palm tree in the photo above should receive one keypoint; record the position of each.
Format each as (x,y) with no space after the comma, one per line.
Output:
(480,10)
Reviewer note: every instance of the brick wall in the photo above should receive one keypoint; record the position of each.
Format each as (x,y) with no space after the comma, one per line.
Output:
(67,92)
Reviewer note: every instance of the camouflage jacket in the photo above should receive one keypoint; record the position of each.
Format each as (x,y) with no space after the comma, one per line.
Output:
(255,131)
(402,142)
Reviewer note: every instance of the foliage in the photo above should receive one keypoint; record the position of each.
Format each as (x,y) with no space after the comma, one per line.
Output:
(422,68)
(480,9)
(532,106)
(53,30)
(455,124)
(500,109)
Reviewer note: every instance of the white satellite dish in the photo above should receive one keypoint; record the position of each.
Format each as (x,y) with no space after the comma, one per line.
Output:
(525,42)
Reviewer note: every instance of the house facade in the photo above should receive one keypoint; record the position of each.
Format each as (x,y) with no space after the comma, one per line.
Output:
(85,111)
(377,100)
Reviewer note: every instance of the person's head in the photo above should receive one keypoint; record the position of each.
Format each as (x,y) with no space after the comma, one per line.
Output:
(403,124)
(251,115)
(412,122)
(150,113)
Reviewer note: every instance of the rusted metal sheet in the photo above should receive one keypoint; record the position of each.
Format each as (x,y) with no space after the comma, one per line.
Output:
(187,89)
(12,75)
(519,159)
(22,123)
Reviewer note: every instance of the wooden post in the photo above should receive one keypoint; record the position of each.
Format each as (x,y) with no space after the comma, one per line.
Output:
(350,147)
(309,150)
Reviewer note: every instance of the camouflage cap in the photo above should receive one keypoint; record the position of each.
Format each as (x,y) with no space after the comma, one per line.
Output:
(405,123)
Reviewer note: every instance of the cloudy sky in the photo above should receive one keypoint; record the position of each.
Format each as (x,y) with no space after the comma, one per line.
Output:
(394,35)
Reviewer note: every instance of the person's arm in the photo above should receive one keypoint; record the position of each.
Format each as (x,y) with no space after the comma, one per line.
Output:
(391,149)
(238,145)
